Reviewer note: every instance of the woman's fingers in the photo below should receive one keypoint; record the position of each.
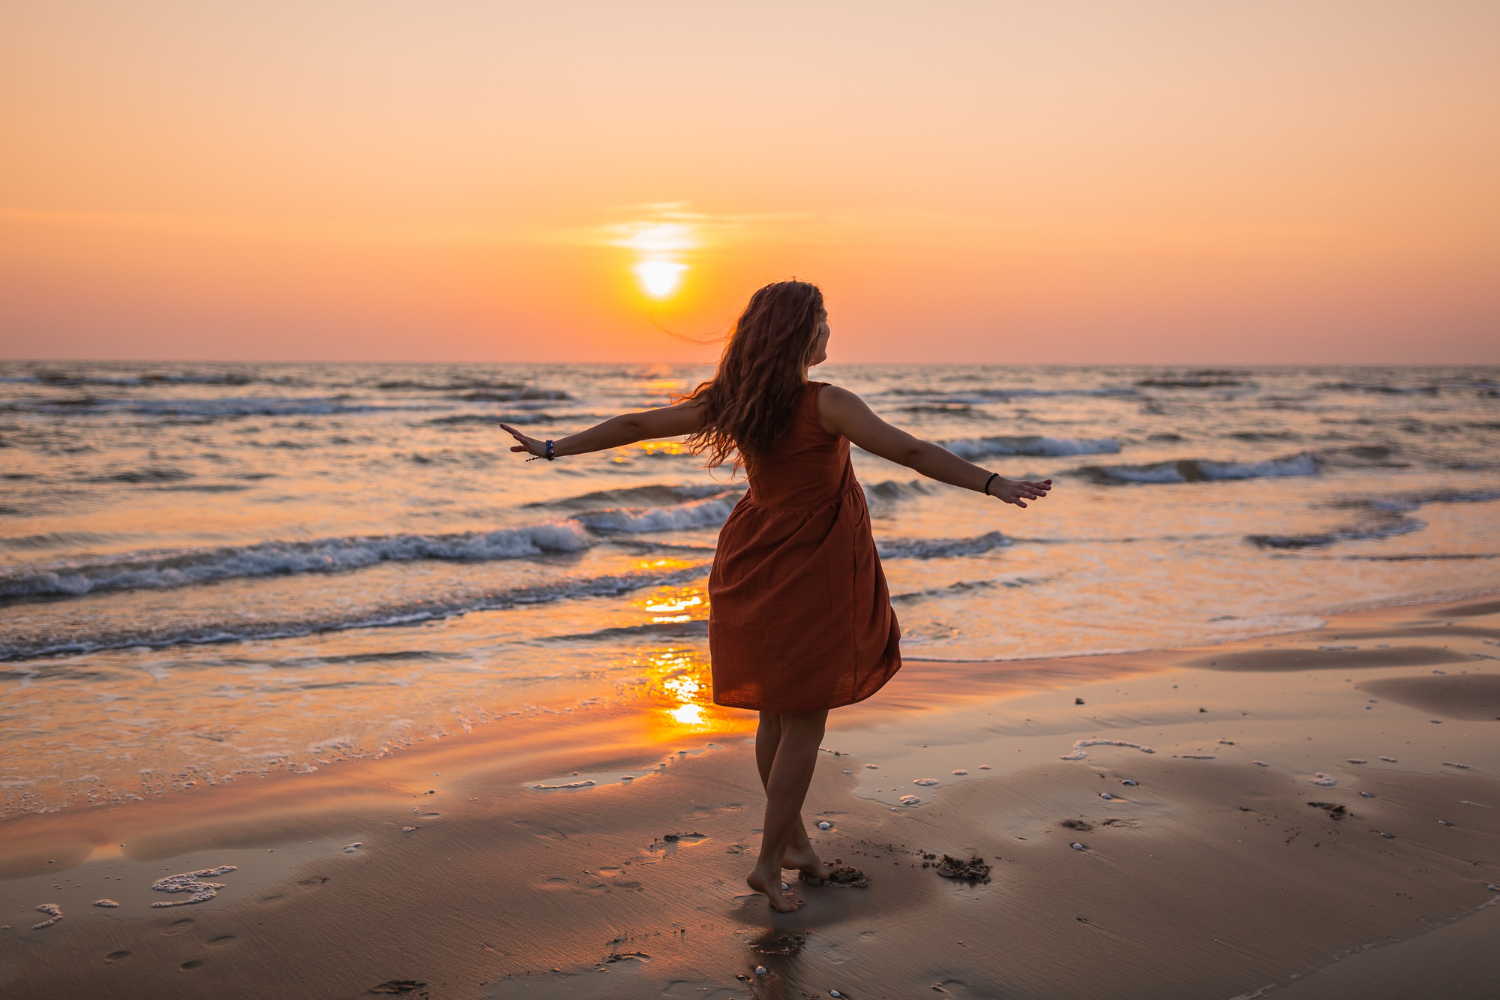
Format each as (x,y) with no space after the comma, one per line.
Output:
(523,443)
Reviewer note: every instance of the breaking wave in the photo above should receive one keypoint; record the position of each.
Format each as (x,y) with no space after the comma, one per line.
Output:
(939,548)
(157,570)
(428,608)
(707,513)
(1194,470)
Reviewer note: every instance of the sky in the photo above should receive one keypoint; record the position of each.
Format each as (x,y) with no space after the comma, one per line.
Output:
(1182,182)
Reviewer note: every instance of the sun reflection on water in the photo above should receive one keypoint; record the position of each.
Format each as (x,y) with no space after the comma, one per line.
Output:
(676,605)
(680,681)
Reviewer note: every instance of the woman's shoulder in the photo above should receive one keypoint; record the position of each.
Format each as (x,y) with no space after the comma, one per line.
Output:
(832,405)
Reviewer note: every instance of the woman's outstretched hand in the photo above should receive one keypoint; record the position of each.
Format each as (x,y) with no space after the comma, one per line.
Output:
(1016,491)
(529,445)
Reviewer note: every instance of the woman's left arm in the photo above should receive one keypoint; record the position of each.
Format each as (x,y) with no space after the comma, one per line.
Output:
(628,428)
(842,412)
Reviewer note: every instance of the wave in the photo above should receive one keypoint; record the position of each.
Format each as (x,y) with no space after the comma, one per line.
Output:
(65,380)
(228,407)
(428,608)
(960,588)
(148,474)
(1035,445)
(1194,470)
(888,490)
(650,630)
(520,419)
(656,494)
(939,548)
(1378,387)
(1205,381)
(59,539)
(962,411)
(479,389)
(159,570)
(1386,517)
(707,513)
(514,394)
(1396,526)
(1412,501)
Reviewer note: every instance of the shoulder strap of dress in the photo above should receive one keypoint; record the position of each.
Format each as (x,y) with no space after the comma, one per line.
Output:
(810,404)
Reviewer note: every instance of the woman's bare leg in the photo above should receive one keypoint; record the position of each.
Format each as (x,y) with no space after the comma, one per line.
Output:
(786,784)
(799,853)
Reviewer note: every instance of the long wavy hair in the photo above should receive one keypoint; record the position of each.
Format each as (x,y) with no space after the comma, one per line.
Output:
(753,396)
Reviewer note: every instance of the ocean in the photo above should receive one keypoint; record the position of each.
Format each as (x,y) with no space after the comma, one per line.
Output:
(213,571)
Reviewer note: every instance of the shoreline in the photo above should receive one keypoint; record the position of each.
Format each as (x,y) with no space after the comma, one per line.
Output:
(497,885)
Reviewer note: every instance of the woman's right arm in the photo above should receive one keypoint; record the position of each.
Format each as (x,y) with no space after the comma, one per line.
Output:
(842,412)
(627,428)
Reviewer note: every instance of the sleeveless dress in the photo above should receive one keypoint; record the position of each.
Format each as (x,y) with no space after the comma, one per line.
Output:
(800,617)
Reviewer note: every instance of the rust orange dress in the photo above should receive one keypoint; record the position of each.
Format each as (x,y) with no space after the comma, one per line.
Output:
(800,617)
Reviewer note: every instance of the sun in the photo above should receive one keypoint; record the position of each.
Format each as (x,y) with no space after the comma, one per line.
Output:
(659,278)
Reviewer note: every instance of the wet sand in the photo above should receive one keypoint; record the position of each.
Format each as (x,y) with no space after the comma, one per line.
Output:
(1317,813)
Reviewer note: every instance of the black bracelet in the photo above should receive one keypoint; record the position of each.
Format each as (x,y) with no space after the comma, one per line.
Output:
(549,456)
(986,490)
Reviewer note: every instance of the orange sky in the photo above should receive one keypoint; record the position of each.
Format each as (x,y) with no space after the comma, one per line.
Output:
(1002,182)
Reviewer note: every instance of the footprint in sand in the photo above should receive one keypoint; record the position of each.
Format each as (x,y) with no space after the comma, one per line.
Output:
(189,966)
(220,941)
(178,926)
(115,956)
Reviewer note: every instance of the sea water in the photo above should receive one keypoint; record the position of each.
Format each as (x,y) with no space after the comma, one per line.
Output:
(215,570)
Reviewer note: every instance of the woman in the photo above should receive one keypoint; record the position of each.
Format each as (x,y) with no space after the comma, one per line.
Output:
(800,620)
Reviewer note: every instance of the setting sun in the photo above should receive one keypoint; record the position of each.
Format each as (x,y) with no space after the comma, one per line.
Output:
(659,278)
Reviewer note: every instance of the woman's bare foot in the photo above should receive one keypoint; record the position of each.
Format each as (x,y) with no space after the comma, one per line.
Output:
(769,883)
(805,860)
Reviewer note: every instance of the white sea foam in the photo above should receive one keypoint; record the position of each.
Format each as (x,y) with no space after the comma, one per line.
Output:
(1079,753)
(54,914)
(158,569)
(191,882)
(1191,470)
(707,513)
(431,607)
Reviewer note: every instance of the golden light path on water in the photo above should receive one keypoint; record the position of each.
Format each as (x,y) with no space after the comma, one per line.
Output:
(679,676)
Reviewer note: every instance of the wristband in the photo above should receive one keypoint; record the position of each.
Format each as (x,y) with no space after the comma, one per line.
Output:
(986,490)
(549,456)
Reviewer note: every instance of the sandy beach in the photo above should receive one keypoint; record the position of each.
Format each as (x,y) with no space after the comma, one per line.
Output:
(1316,814)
